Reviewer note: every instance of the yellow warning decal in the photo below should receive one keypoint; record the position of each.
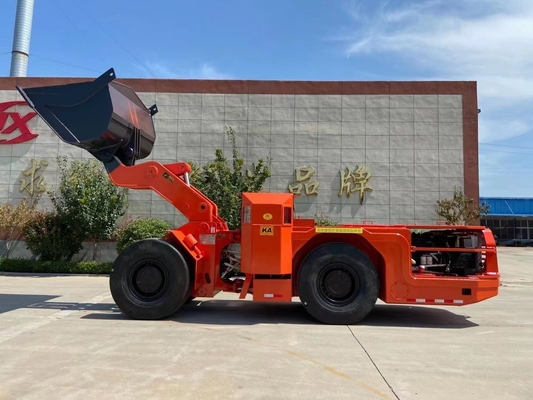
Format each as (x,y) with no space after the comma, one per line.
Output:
(338,230)
(267,230)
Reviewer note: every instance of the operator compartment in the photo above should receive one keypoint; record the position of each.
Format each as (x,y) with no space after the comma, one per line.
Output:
(106,118)
(266,227)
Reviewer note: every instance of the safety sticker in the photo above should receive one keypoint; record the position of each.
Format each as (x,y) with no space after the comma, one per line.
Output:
(266,230)
(338,230)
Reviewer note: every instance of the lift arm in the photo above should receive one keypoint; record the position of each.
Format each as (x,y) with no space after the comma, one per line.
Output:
(170,181)
(111,122)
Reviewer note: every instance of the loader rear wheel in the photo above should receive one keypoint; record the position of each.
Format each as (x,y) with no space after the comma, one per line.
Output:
(338,284)
(150,280)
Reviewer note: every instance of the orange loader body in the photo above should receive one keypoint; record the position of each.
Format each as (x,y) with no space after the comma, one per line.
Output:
(338,272)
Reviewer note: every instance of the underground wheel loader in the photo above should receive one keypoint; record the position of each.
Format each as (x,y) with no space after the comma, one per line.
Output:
(337,272)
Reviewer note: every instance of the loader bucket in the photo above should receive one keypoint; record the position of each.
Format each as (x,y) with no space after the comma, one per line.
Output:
(105,118)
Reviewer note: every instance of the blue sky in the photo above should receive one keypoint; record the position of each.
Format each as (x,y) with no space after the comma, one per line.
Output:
(309,40)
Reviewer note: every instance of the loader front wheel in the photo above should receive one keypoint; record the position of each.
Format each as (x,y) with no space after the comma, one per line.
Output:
(338,284)
(150,280)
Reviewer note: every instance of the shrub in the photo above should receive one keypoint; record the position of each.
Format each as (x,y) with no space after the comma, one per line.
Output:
(224,183)
(123,224)
(54,267)
(461,210)
(419,231)
(51,237)
(142,228)
(325,221)
(13,219)
(87,206)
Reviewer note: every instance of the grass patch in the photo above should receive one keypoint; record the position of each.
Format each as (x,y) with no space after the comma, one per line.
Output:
(54,267)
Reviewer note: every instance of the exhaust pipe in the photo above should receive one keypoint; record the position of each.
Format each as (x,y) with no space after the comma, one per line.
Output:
(104,117)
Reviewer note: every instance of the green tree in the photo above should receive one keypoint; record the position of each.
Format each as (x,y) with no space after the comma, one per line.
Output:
(461,210)
(224,182)
(88,201)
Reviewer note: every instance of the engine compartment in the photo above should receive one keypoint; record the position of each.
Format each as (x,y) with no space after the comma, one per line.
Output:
(447,263)
(230,263)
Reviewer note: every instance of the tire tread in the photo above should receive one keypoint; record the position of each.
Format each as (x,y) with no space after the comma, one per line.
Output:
(359,262)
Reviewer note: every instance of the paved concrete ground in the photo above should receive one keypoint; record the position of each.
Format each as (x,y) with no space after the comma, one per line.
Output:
(63,338)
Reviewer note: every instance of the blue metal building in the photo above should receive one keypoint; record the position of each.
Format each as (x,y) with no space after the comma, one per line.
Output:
(510,219)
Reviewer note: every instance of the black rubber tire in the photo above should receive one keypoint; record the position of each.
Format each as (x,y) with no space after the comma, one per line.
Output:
(364,280)
(191,298)
(171,267)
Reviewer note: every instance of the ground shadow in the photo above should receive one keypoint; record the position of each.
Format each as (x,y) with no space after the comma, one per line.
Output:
(235,312)
(416,317)
(224,312)
(10,302)
(48,275)
(73,306)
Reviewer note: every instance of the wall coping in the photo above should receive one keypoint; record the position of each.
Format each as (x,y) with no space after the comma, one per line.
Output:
(260,86)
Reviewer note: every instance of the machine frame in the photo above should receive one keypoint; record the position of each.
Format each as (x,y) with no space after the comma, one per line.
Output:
(337,272)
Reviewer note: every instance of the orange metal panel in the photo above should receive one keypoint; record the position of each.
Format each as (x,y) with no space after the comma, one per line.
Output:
(272,290)
(390,248)
(271,250)
(266,243)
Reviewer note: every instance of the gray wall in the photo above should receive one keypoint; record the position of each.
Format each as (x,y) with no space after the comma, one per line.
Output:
(411,144)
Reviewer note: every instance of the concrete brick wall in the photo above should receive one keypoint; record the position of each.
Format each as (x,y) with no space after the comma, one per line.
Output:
(411,144)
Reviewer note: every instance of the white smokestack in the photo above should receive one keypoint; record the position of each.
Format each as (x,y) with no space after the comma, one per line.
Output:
(21,38)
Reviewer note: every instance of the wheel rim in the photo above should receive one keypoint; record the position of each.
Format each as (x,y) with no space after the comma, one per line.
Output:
(148,280)
(338,285)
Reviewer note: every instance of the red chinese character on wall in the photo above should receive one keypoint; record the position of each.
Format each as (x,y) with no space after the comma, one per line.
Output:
(11,121)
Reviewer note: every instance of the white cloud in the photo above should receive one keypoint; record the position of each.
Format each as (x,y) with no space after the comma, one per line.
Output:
(158,69)
(208,72)
(204,71)
(493,129)
(490,170)
(488,41)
